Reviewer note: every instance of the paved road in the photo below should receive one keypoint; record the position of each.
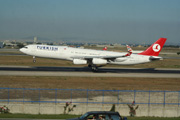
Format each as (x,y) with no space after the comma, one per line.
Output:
(86,72)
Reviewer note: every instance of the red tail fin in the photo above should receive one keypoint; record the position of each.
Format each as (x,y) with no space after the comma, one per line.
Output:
(155,48)
(129,50)
(105,48)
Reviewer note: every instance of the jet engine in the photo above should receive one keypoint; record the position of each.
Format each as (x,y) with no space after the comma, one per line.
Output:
(79,61)
(99,61)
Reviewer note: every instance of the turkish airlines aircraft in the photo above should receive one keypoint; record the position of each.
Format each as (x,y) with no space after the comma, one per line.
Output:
(95,57)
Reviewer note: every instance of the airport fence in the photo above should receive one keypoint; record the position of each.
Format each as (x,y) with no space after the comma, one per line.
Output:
(86,96)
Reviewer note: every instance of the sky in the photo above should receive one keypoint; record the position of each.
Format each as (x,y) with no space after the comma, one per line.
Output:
(109,21)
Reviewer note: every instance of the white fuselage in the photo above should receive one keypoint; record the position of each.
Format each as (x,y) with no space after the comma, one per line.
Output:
(69,53)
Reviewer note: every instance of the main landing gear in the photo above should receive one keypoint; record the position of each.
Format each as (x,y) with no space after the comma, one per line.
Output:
(94,68)
(34,59)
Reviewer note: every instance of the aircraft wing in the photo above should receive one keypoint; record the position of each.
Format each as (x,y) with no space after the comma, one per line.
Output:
(102,57)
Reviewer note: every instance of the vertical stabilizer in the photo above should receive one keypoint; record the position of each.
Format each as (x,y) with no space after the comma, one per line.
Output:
(105,48)
(155,48)
(129,50)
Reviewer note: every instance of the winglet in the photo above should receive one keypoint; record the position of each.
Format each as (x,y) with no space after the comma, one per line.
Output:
(155,48)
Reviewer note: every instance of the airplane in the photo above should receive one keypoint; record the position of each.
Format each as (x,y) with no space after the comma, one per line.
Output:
(95,58)
(105,48)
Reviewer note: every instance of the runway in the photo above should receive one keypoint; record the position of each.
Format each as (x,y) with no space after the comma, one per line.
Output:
(86,72)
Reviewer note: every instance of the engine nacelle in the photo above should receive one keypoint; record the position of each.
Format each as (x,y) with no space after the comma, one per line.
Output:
(79,61)
(99,61)
(120,59)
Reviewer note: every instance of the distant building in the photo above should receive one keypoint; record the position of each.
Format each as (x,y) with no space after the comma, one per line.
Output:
(8,43)
(139,46)
(110,45)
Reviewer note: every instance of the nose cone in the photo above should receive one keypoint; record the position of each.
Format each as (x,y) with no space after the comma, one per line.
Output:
(22,49)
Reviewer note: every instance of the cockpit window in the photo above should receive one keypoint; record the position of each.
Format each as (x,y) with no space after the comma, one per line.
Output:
(26,47)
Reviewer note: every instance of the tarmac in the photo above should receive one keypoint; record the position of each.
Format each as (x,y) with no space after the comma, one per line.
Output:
(86,72)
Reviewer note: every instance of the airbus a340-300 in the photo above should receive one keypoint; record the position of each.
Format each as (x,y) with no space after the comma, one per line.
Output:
(95,58)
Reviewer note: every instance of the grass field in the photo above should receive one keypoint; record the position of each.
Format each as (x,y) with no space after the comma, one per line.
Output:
(38,116)
(74,116)
(99,83)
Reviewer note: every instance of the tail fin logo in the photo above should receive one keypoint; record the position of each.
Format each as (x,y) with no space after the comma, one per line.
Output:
(156,47)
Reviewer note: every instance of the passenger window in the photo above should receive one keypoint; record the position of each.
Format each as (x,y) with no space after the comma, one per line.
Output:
(106,117)
(89,117)
(101,117)
(92,117)
(114,117)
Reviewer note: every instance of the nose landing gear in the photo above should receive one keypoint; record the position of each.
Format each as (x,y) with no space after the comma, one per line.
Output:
(34,59)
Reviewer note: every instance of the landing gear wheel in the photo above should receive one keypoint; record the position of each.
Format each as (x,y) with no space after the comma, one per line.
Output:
(34,59)
(94,68)
(90,66)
